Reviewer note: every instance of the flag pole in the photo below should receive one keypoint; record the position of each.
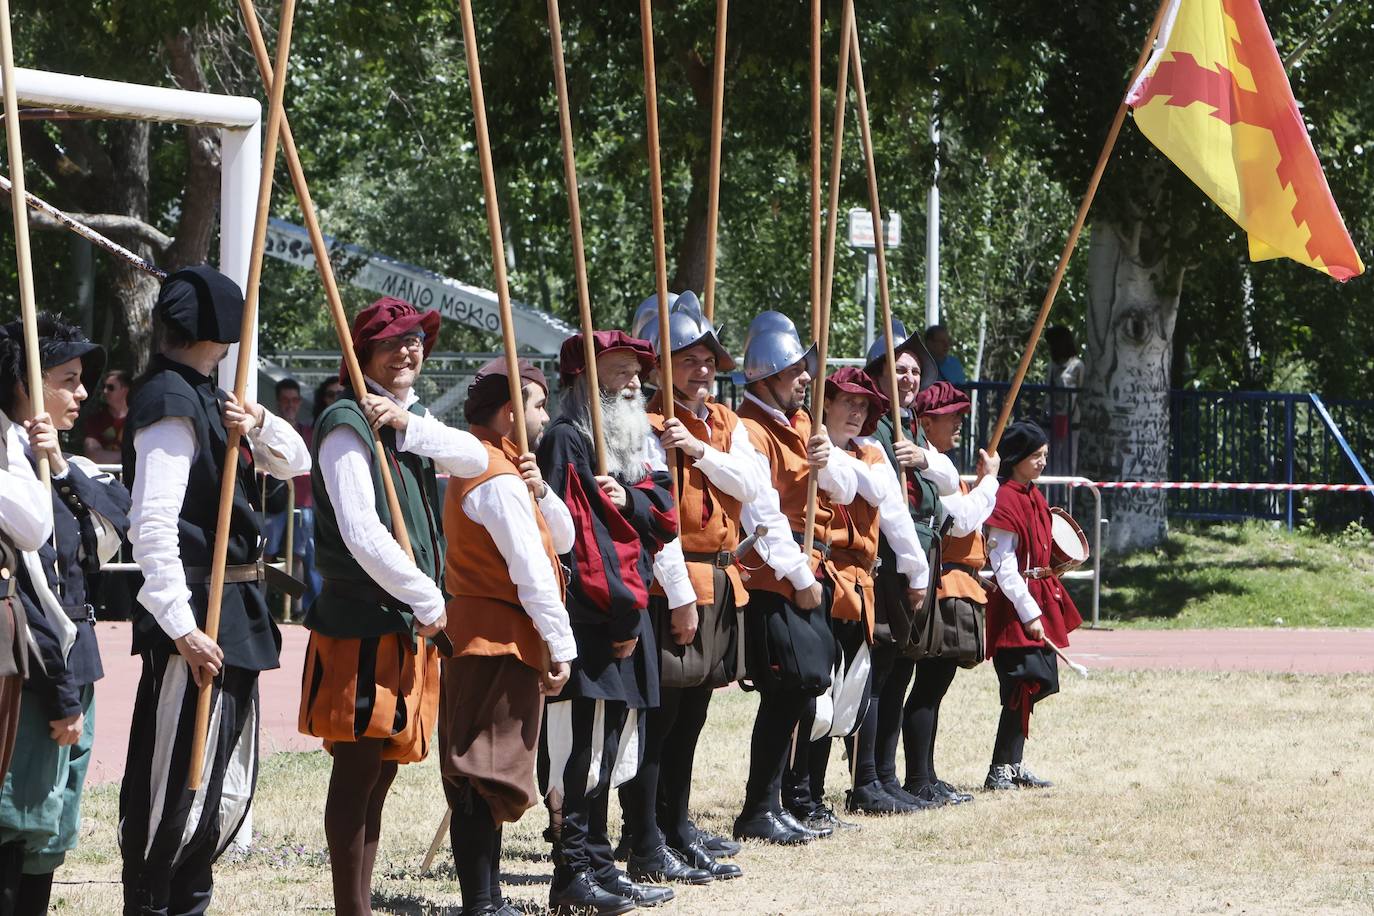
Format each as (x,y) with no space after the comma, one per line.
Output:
(584,303)
(1074,232)
(326,271)
(823,335)
(879,231)
(665,363)
(229,478)
(27,306)
(713,188)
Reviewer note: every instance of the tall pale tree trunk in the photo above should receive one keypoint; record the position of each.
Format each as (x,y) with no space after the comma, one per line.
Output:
(1124,435)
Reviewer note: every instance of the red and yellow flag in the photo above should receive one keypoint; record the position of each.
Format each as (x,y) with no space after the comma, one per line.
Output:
(1215,99)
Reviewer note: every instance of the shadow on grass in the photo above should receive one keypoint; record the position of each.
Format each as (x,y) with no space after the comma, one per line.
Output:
(411,905)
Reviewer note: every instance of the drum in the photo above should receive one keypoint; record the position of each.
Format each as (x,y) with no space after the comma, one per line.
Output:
(1068,544)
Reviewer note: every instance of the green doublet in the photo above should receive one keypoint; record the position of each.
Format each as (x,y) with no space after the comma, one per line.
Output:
(350,608)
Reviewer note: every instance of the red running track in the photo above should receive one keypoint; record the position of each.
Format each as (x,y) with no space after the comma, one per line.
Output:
(1282,651)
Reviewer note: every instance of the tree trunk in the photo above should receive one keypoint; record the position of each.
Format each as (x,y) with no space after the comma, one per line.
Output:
(1124,432)
(136,290)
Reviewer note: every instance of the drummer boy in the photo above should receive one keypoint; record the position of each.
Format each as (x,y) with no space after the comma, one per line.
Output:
(1031,612)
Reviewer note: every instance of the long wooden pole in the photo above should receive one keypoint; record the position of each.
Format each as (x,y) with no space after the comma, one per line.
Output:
(584,300)
(250,316)
(28,309)
(498,244)
(832,227)
(713,188)
(326,270)
(39,205)
(665,364)
(815,168)
(861,101)
(1074,232)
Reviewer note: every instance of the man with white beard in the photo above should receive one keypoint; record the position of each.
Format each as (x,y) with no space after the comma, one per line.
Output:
(593,731)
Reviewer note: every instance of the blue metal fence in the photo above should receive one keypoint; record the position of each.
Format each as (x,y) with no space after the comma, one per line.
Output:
(1238,436)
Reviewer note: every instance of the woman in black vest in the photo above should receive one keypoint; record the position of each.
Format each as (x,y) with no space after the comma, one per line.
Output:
(41,800)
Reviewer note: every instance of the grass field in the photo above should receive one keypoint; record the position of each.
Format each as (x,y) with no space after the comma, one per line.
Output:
(1178,792)
(1243,575)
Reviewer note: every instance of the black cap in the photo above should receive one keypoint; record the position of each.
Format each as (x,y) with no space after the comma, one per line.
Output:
(203,303)
(1021,440)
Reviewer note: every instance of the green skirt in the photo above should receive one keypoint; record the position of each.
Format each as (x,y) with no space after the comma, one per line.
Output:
(41,802)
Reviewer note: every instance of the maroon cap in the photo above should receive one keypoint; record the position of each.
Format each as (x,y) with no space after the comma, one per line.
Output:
(942,397)
(853,380)
(572,359)
(490,389)
(390,317)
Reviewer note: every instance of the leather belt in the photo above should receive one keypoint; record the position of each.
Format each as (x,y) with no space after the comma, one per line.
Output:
(260,571)
(962,567)
(79,613)
(723,560)
(823,549)
(244,572)
(1039,572)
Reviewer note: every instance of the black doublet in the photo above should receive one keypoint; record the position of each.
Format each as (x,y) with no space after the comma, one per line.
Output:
(247,634)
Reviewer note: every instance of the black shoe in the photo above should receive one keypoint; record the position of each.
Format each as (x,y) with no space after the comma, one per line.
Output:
(824,818)
(927,795)
(874,799)
(718,846)
(899,792)
(665,865)
(954,795)
(1000,777)
(637,893)
(698,856)
(793,822)
(1026,779)
(769,829)
(582,894)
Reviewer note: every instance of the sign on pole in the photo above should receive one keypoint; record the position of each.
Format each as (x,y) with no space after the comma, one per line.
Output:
(861,229)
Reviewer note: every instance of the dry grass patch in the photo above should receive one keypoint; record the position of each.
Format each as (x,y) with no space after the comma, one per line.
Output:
(1179,792)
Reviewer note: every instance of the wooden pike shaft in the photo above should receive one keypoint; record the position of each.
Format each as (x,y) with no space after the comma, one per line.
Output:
(861,101)
(326,270)
(39,205)
(1024,366)
(665,365)
(584,301)
(823,338)
(498,244)
(250,314)
(713,188)
(815,168)
(28,308)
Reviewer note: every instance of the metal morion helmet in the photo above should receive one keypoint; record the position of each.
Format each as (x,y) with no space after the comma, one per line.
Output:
(770,352)
(901,343)
(687,327)
(646,310)
(769,321)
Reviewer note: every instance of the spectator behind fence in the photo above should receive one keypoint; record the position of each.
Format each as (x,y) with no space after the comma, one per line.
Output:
(1066,370)
(947,365)
(289,401)
(105,428)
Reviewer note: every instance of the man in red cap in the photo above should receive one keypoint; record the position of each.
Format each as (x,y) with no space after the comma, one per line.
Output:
(593,731)
(371,682)
(953,637)
(853,406)
(512,643)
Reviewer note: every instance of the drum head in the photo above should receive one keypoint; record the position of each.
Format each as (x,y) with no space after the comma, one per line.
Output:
(1068,543)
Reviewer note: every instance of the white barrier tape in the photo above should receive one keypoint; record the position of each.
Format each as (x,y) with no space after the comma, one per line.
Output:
(1195,485)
